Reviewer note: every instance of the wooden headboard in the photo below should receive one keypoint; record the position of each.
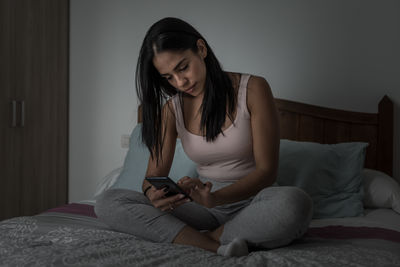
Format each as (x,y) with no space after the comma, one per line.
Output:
(304,122)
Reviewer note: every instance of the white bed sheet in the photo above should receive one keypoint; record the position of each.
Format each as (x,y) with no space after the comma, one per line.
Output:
(382,218)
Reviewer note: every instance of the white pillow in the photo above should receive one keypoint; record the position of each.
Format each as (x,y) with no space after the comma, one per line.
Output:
(381,190)
(107,181)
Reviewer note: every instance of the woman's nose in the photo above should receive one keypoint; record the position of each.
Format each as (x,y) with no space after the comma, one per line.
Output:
(180,81)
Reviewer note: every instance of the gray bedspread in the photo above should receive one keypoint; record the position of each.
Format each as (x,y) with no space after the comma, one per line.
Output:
(56,239)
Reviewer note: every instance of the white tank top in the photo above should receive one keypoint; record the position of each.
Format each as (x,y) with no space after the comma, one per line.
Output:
(230,156)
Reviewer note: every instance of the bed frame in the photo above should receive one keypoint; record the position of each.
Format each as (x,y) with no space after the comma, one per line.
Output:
(304,122)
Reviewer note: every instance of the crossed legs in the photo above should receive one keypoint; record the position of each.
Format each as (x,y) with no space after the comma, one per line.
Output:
(275,217)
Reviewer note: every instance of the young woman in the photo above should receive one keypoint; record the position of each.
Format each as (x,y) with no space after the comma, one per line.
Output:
(228,125)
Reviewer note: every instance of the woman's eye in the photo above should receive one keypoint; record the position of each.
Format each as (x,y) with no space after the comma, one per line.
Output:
(183,68)
(180,70)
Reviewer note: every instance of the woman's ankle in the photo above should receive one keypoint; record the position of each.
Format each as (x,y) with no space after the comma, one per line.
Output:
(190,236)
(216,234)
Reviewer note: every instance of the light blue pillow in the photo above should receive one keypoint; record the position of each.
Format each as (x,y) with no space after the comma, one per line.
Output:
(135,164)
(330,174)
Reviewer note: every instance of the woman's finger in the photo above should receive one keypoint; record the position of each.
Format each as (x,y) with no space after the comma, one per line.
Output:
(173,205)
(168,207)
(187,185)
(168,203)
(183,180)
(208,186)
(182,201)
(156,194)
(200,186)
(192,183)
(163,205)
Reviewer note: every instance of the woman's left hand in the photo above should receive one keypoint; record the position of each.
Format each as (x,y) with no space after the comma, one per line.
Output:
(199,192)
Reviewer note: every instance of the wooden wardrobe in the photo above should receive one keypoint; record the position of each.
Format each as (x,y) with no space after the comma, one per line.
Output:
(33,105)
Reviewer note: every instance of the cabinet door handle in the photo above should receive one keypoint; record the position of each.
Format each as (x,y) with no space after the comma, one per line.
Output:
(22,113)
(14,114)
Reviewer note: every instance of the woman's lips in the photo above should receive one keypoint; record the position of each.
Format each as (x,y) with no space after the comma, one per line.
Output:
(190,89)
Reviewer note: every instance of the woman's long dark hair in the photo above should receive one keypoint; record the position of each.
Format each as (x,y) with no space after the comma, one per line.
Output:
(172,34)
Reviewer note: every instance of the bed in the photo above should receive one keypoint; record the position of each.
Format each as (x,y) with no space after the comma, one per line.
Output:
(72,235)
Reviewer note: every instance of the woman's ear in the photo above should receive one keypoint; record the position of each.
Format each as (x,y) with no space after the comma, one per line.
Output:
(202,48)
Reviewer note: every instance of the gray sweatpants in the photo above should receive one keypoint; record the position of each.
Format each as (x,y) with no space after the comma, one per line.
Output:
(274,217)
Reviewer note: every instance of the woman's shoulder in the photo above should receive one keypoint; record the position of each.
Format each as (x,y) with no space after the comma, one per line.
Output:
(254,80)
(258,91)
(257,85)
(257,82)
(169,106)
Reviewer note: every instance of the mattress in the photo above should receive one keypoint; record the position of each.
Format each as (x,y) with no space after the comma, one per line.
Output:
(72,235)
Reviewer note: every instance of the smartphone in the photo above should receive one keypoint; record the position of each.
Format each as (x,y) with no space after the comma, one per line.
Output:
(166,182)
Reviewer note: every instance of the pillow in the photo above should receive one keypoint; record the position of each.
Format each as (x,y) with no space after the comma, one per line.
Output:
(381,190)
(107,181)
(330,174)
(135,164)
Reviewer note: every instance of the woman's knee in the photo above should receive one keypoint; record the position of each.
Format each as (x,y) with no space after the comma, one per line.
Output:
(293,213)
(298,199)
(298,204)
(293,207)
(287,197)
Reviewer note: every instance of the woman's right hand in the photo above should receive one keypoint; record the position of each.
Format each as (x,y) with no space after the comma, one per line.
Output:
(160,201)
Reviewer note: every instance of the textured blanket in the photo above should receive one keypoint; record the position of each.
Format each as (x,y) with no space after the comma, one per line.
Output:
(78,239)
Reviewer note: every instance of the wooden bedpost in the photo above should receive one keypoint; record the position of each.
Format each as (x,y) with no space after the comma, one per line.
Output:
(385,136)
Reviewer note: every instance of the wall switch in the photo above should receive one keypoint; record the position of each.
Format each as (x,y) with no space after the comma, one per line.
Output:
(125,140)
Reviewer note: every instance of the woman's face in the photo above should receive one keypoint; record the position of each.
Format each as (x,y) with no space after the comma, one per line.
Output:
(186,70)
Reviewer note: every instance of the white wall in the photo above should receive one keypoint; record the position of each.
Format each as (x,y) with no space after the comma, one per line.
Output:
(337,53)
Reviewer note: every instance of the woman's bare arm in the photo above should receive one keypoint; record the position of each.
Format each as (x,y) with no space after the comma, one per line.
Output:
(265,131)
(168,149)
